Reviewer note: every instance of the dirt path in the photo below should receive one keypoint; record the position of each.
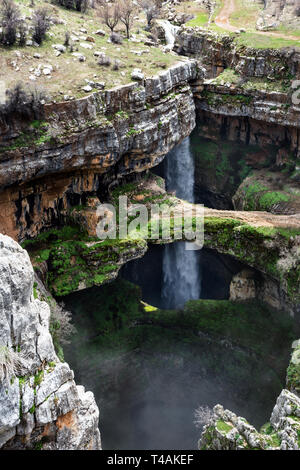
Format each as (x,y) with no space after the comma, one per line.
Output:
(257,218)
(222,20)
(254,218)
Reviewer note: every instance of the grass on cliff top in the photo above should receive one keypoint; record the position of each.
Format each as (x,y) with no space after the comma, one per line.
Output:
(246,13)
(253,39)
(199,12)
(252,83)
(270,191)
(218,224)
(68,76)
(244,16)
(259,41)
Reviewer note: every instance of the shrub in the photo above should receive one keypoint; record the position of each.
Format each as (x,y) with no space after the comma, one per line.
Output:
(104,60)
(22,103)
(116,65)
(79,5)
(9,20)
(41,21)
(67,39)
(22,34)
(11,363)
(116,38)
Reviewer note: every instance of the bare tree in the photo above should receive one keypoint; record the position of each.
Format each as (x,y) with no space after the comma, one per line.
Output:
(202,416)
(9,21)
(127,12)
(41,24)
(110,15)
(60,327)
(151,9)
(22,34)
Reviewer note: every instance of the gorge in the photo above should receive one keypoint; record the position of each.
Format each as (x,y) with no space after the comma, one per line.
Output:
(161,329)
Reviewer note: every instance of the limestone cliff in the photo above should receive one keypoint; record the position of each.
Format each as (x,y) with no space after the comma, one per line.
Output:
(41,407)
(217,51)
(89,142)
(279,12)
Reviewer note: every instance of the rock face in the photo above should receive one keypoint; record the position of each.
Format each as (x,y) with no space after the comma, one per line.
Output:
(249,284)
(272,108)
(279,12)
(226,431)
(247,98)
(40,406)
(218,51)
(130,127)
(274,253)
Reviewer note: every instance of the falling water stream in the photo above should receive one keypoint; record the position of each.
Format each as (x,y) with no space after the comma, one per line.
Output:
(181,269)
(170,32)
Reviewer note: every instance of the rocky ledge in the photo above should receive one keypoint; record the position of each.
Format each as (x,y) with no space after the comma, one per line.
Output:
(217,51)
(130,128)
(274,107)
(226,431)
(41,407)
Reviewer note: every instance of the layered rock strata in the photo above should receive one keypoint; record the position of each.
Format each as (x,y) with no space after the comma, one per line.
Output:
(86,142)
(217,51)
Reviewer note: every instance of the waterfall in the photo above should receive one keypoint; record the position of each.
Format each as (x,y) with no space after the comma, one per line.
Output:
(170,32)
(181,267)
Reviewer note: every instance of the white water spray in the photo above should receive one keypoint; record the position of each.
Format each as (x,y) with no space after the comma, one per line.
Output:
(181,268)
(170,32)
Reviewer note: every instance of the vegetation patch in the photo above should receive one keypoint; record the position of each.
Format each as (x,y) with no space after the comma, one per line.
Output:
(75,259)
(223,426)
(218,99)
(247,243)
(256,196)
